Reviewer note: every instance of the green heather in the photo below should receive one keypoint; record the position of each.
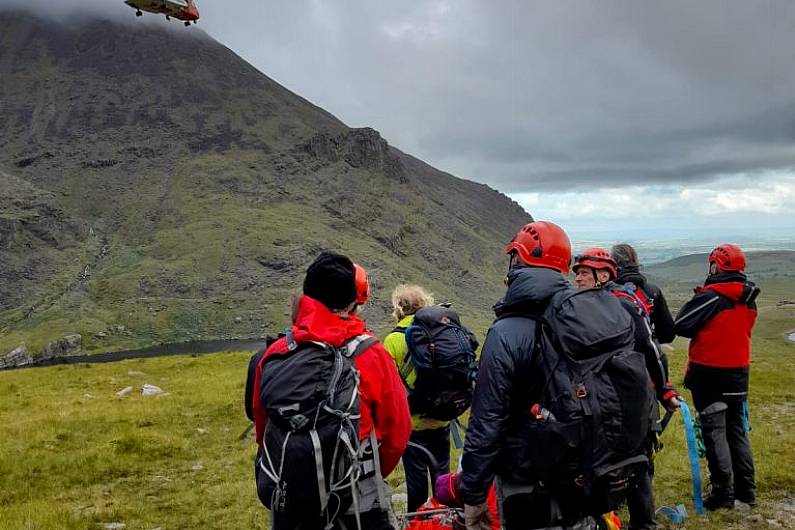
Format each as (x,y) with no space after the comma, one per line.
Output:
(73,454)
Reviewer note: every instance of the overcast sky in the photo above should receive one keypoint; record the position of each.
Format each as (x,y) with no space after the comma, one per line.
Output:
(608,114)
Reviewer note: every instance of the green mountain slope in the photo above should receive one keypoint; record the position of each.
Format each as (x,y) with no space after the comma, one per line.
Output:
(154,187)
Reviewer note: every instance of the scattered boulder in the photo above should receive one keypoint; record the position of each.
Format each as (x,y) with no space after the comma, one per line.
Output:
(69,345)
(151,390)
(197,467)
(238,319)
(124,391)
(135,373)
(202,430)
(113,526)
(16,357)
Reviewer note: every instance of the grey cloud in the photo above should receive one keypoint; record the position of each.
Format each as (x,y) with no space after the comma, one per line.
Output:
(534,94)
(526,94)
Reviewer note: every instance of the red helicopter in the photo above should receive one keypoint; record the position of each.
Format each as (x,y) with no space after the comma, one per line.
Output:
(180,9)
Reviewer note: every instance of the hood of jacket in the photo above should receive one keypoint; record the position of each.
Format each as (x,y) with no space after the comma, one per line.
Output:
(316,322)
(739,292)
(631,274)
(530,289)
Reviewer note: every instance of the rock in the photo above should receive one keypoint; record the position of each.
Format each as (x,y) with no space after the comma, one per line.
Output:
(197,467)
(774,523)
(202,430)
(742,507)
(69,345)
(113,526)
(135,373)
(124,391)
(756,519)
(102,334)
(19,356)
(89,396)
(151,390)
(238,319)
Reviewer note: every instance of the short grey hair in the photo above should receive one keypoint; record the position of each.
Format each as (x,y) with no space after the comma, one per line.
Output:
(625,255)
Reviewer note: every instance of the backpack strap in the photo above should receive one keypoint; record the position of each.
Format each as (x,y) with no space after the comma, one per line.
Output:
(382,494)
(357,345)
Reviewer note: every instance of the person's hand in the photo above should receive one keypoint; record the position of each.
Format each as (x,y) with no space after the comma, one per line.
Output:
(673,404)
(477,517)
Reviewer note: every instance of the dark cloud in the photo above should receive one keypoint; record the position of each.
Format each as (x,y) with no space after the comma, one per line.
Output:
(526,94)
(531,95)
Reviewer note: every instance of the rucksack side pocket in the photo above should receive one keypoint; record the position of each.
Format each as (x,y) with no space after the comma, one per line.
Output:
(554,450)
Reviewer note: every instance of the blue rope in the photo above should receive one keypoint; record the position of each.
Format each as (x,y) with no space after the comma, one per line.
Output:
(692,453)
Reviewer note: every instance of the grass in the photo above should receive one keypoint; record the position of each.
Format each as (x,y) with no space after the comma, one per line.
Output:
(73,455)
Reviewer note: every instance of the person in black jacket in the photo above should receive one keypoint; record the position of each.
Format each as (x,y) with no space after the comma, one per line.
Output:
(540,254)
(593,268)
(662,323)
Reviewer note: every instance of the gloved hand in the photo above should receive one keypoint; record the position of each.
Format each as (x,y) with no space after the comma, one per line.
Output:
(671,399)
(477,517)
(673,404)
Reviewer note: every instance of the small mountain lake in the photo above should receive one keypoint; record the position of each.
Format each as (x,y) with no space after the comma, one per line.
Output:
(182,348)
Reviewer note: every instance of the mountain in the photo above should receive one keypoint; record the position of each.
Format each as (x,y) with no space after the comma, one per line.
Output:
(154,187)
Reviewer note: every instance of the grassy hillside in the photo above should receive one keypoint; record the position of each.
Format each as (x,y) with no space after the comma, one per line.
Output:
(75,455)
(181,195)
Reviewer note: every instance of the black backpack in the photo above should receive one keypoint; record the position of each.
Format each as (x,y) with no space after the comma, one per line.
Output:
(442,352)
(589,426)
(312,458)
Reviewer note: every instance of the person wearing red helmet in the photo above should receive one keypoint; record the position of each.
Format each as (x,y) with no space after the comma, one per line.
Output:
(596,268)
(330,411)
(718,321)
(507,439)
(593,268)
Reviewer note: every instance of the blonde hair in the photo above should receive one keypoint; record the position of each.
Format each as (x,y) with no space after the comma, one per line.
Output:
(408,299)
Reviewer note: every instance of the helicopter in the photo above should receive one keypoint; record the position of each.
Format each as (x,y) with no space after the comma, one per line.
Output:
(185,10)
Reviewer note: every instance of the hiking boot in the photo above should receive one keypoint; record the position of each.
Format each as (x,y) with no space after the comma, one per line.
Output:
(714,502)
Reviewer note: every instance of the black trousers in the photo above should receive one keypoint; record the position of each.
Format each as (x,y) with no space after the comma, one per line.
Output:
(728,447)
(640,503)
(418,465)
(538,510)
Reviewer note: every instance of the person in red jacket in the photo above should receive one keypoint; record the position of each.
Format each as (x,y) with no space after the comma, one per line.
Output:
(718,320)
(327,315)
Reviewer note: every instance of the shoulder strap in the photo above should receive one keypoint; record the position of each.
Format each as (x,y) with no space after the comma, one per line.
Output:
(358,344)
(398,329)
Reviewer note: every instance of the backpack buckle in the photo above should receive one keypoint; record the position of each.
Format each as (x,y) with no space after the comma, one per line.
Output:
(581,392)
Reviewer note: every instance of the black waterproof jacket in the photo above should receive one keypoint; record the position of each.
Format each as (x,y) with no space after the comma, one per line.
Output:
(662,322)
(505,382)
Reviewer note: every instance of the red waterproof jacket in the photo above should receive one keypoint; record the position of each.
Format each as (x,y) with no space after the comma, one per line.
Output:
(719,319)
(383,401)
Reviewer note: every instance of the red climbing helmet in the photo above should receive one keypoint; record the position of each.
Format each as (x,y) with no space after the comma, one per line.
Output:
(362,282)
(596,258)
(728,257)
(542,244)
